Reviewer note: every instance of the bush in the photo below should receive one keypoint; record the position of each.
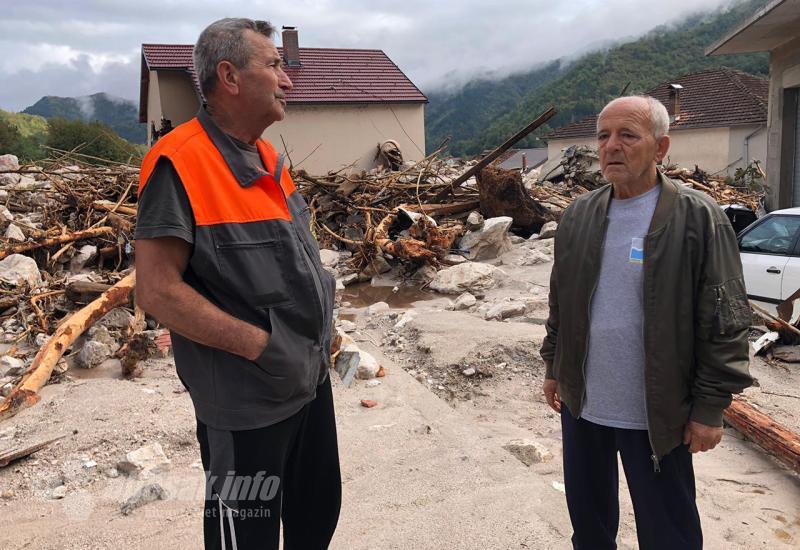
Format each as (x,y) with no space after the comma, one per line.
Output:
(13,142)
(90,138)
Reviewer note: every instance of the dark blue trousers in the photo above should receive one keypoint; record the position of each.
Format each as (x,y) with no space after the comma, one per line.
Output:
(663,502)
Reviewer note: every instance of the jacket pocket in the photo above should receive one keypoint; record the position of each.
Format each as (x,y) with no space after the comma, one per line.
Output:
(255,271)
(731,310)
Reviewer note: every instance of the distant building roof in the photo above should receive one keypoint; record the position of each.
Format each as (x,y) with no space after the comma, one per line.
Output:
(709,99)
(512,159)
(325,75)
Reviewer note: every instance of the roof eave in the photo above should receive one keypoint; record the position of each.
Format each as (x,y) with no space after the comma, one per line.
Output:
(740,40)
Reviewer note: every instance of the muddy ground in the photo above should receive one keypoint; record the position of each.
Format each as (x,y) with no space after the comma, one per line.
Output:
(426,468)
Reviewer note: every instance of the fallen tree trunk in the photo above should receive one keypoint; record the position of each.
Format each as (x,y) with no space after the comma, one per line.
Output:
(26,393)
(502,194)
(61,239)
(776,439)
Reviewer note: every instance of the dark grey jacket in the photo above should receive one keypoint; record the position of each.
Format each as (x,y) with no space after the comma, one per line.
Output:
(696,316)
(254,257)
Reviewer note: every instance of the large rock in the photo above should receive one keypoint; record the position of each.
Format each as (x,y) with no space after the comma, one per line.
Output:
(368,367)
(465,301)
(14,233)
(329,258)
(9,162)
(17,269)
(528,452)
(474,221)
(118,319)
(548,230)
(535,257)
(145,495)
(11,366)
(504,310)
(5,214)
(145,461)
(93,353)
(467,277)
(84,255)
(490,241)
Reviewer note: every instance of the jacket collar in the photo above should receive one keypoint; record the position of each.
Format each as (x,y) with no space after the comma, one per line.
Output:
(666,200)
(243,170)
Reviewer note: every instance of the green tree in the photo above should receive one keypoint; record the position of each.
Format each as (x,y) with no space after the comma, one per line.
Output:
(90,138)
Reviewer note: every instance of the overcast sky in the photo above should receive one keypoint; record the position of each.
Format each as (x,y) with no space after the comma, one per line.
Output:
(53,47)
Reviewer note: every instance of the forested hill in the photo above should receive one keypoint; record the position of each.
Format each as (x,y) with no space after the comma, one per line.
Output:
(121,115)
(484,113)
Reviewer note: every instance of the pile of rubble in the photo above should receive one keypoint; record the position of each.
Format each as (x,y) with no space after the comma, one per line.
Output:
(66,274)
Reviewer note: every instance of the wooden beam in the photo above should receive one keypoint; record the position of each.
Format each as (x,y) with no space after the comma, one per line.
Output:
(485,161)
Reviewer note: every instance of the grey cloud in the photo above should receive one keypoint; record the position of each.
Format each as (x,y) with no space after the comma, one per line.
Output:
(438,44)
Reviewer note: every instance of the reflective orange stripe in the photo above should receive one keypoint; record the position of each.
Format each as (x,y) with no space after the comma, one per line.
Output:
(214,193)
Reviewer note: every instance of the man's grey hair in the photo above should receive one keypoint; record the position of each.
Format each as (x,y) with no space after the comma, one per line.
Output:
(224,40)
(659,117)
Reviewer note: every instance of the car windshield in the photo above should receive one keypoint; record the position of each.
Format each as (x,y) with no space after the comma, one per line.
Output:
(775,235)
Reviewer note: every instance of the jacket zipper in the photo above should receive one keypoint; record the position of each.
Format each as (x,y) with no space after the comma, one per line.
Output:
(589,317)
(653,456)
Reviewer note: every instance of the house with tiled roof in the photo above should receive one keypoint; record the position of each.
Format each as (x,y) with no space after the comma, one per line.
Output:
(344,104)
(718,121)
(775,28)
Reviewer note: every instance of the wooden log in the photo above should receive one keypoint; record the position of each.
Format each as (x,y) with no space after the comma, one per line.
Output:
(83,292)
(449,209)
(15,453)
(503,194)
(108,206)
(26,393)
(61,239)
(487,160)
(775,438)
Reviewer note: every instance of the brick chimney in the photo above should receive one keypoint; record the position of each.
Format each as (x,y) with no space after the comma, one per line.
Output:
(291,46)
(675,102)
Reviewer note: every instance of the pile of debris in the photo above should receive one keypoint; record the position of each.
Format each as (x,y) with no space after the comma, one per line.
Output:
(66,276)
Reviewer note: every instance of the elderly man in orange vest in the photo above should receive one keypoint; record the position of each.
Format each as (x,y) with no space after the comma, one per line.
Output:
(225,259)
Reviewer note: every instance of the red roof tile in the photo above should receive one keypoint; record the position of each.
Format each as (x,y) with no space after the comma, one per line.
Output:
(710,99)
(325,75)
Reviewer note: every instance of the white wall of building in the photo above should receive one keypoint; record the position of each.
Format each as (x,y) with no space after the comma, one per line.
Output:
(323,138)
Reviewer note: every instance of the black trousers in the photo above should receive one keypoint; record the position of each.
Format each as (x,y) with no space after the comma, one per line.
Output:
(288,471)
(663,502)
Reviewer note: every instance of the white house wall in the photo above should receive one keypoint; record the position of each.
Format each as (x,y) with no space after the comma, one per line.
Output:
(715,150)
(755,148)
(784,70)
(322,138)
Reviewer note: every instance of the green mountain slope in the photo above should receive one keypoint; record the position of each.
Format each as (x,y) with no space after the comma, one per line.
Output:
(121,115)
(483,114)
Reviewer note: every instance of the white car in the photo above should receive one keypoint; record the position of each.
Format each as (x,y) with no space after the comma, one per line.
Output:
(770,253)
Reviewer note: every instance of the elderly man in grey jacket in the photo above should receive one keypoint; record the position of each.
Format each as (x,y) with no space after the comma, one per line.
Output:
(646,338)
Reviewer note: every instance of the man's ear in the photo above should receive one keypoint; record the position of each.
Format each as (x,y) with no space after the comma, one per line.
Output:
(228,77)
(662,146)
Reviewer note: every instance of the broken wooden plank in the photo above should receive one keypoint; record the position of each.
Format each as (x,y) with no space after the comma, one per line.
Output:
(790,354)
(26,393)
(485,161)
(775,438)
(83,292)
(449,209)
(15,453)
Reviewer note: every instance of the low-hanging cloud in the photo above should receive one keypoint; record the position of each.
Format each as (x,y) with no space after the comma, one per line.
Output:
(80,48)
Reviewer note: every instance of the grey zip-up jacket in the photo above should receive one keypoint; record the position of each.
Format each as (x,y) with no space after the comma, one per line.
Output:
(696,315)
